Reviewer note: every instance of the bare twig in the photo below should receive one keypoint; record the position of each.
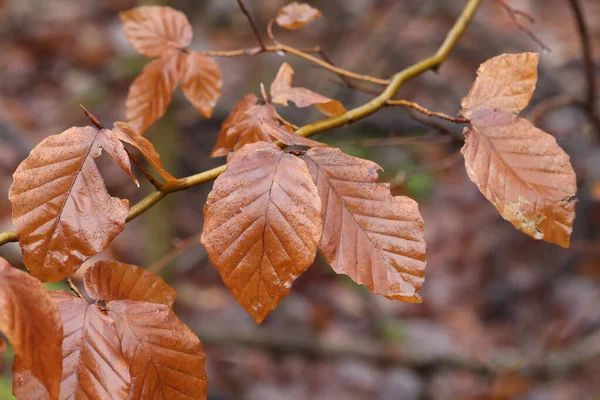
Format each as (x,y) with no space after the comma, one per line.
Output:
(251,21)
(514,14)
(423,110)
(178,250)
(144,170)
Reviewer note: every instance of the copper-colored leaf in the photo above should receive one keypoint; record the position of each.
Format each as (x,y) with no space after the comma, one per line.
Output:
(243,126)
(152,30)
(524,173)
(201,82)
(282,92)
(93,366)
(61,208)
(504,83)
(31,322)
(295,15)
(262,225)
(116,151)
(151,92)
(287,137)
(368,234)
(112,280)
(129,136)
(166,358)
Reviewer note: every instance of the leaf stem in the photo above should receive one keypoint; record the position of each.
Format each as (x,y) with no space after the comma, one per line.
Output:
(144,170)
(74,288)
(423,110)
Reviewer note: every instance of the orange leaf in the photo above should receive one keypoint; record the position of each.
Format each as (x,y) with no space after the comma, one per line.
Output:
(262,224)
(201,82)
(295,15)
(374,238)
(112,280)
(31,322)
(129,136)
(243,126)
(166,358)
(152,30)
(282,92)
(61,209)
(151,92)
(287,137)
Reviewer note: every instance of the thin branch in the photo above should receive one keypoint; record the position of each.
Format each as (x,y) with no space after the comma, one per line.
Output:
(423,110)
(514,14)
(174,253)
(74,288)
(144,170)
(351,115)
(245,11)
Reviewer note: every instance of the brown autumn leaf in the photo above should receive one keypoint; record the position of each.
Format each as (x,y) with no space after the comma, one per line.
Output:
(31,322)
(368,234)
(126,134)
(504,83)
(201,82)
(262,225)
(287,137)
(524,173)
(151,92)
(152,30)
(166,358)
(243,126)
(113,280)
(282,92)
(93,366)
(295,15)
(61,209)
(518,167)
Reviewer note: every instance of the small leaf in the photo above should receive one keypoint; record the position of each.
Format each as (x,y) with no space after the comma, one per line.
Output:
(61,209)
(112,280)
(152,30)
(262,223)
(31,322)
(287,137)
(201,82)
(503,83)
(243,126)
(116,151)
(151,92)
(166,358)
(126,134)
(368,234)
(524,173)
(282,92)
(295,15)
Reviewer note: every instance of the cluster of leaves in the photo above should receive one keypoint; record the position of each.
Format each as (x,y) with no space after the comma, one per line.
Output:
(125,342)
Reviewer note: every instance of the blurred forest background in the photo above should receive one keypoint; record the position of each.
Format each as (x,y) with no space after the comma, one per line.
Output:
(503,317)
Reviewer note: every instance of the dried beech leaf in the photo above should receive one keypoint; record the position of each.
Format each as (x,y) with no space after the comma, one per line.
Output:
(262,225)
(368,234)
(112,280)
(151,92)
(201,82)
(61,208)
(282,92)
(503,83)
(243,126)
(93,366)
(524,173)
(295,15)
(129,136)
(287,137)
(166,358)
(31,322)
(152,30)
(116,151)
(26,386)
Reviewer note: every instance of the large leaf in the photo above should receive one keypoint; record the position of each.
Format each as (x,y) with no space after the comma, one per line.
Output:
(295,15)
(61,208)
(166,358)
(112,280)
(93,364)
(31,322)
(201,82)
(262,225)
(524,173)
(152,30)
(368,234)
(243,125)
(151,92)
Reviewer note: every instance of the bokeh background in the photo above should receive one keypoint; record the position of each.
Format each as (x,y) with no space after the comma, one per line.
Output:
(503,317)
